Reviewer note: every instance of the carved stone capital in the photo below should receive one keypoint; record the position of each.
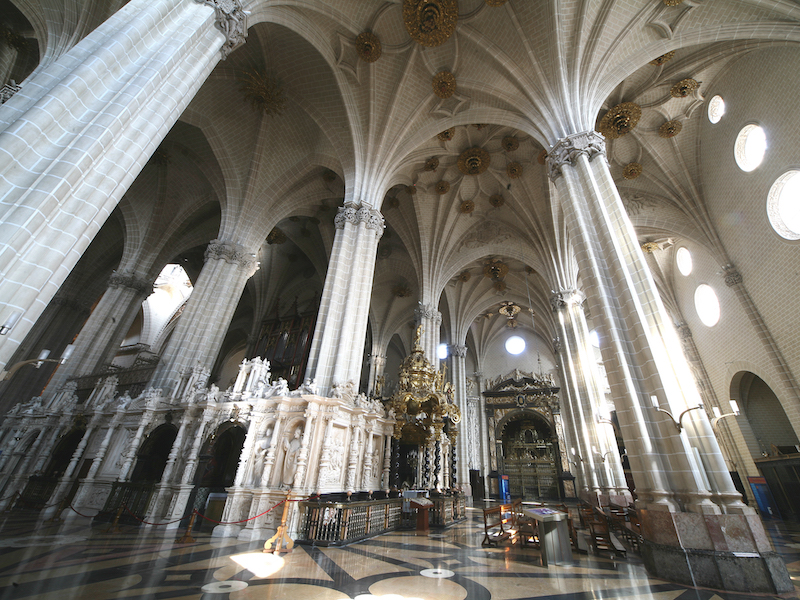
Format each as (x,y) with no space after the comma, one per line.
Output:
(232,253)
(426,311)
(371,218)
(132,281)
(567,149)
(732,275)
(683,331)
(231,20)
(458,350)
(564,298)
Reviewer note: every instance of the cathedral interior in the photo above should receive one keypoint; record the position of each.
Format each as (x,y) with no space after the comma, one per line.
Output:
(270,269)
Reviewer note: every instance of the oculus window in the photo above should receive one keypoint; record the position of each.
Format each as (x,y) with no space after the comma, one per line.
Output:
(751,144)
(783,205)
(707,305)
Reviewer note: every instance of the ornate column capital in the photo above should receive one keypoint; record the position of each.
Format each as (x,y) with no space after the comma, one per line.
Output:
(567,149)
(458,350)
(563,298)
(232,253)
(683,331)
(231,20)
(426,311)
(371,218)
(131,280)
(731,275)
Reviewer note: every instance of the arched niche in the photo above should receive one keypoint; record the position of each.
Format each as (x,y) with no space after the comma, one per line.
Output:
(152,457)
(529,454)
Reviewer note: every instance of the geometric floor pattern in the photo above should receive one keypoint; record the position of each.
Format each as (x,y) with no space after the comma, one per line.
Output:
(73,560)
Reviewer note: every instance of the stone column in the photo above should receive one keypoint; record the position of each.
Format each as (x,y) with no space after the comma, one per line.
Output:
(645,366)
(107,326)
(431,320)
(65,481)
(130,453)
(199,334)
(601,467)
(485,438)
(88,483)
(338,345)
(377,363)
(68,160)
(352,460)
(302,455)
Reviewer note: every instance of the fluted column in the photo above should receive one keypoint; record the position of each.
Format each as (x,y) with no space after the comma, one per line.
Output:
(338,345)
(302,456)
(640,348)
(107,326)
(431,320)
(601,467)
(209,310)
(66,162)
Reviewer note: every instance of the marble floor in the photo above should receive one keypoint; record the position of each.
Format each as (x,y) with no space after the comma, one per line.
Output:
(73,560)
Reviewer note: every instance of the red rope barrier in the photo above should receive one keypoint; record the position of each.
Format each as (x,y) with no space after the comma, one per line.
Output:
(148,523)
(261,515)
(82,515)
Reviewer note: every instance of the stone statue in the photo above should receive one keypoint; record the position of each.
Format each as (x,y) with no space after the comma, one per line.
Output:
(291,448)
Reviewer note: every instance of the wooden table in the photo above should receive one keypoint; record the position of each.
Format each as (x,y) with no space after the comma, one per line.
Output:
(553,535)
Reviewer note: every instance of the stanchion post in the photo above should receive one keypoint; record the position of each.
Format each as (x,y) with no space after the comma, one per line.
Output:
(282,541)
(13,502)
(114,528)
(187,536)
(56,518)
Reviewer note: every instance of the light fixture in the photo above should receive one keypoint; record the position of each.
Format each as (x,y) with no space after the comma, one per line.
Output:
(677,422)
(718,413)
(10,322)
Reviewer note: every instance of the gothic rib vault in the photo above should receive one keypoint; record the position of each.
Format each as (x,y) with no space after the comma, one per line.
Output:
(293,170)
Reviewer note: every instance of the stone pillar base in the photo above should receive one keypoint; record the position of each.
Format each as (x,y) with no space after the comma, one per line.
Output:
(226,531)
(729,552)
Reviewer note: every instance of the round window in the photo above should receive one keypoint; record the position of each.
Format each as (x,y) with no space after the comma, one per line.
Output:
(751,144)
(716,108)
(707,305)
(683,258)
(783,205)
(515,345)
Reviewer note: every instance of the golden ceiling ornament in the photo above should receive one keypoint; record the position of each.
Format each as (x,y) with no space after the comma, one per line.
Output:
(510,143)
(670,129)
(683,88)
(620,120)
(328,176)
(444,84)
(512,323)
(263,91)
(632,170)
(495,269)
(467,206)
(368,46)
(509,309)
(495,2)
(673,2)
(447,134)
(442,187)
(401,291)
(276,236)
(474,161)
(542,158)
(514,170)
(411,190)
(650,247)
(464,276)
(660,60)
(479,126)
(430,22)
(497,200)
(431,164)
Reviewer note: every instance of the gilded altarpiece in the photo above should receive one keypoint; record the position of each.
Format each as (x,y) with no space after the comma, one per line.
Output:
(526,433)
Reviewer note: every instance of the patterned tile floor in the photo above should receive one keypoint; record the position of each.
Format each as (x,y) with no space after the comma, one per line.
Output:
(73,560)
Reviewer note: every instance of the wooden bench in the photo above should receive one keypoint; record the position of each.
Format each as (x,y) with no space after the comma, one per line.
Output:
(499,525)
(527,528)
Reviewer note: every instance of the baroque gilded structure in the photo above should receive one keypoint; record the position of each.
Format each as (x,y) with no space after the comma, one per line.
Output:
(223,221)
